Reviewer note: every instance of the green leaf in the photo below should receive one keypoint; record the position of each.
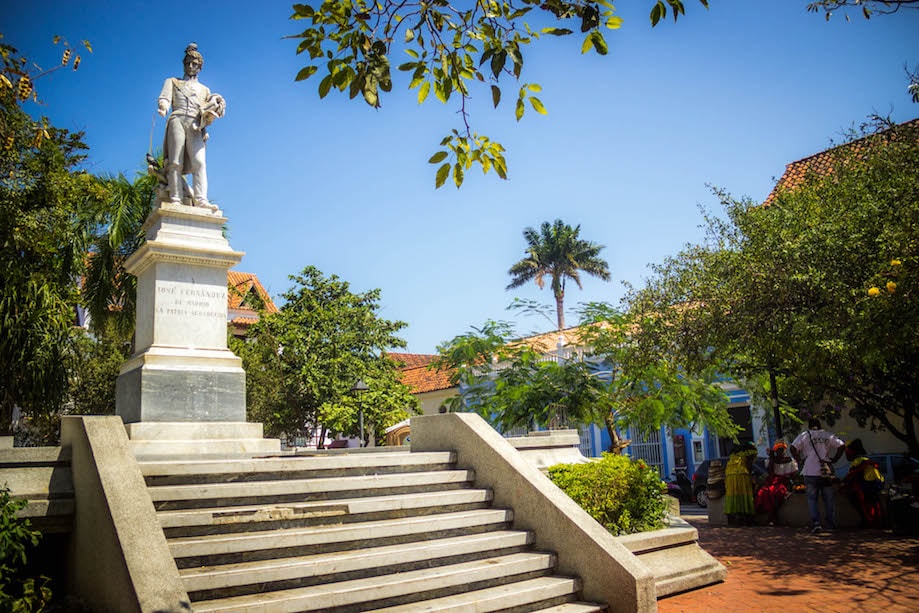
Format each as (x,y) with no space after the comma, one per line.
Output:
(306,72)
(518,112)
(497,63)
(409,36)
(534,87)
(537,105)
(424,91)
(614,23)
(556,31)
(657,12)
(302,11)
(495,95)
(412,52)
(325,85)
(440,156)
(458,174)
(370,93)
(440,91)
(599,42)
(500,166)
(442,173)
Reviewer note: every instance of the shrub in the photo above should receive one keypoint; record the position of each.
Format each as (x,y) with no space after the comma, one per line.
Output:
(625,496)
(18,593)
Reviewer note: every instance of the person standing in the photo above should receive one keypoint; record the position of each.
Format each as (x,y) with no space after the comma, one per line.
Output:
(194,107)
(863,484)
(738,483)
(811,449)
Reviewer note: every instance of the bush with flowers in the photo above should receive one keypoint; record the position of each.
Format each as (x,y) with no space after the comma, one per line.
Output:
(624,495)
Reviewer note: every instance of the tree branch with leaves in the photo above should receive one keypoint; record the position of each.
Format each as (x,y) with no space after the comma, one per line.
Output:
(450,51)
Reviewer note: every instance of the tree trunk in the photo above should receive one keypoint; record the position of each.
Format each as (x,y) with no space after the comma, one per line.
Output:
(774,394)
(320,444)
(560,309)
(617,444)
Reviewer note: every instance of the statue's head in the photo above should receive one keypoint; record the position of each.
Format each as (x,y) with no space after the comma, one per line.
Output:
(193,61)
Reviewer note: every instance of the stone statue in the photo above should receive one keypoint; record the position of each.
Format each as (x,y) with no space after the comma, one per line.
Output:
(194,108)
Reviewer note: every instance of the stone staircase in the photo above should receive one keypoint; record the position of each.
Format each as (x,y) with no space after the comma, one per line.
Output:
(357,532)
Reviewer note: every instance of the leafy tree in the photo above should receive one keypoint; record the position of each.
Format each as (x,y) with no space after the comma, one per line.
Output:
(645,386)
(557,251)
(93,364)
(303,361)
(816,289)
(451,51)
(46,208)
(108,291)
(512,383)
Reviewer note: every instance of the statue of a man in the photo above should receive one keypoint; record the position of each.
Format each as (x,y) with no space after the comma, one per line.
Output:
(194,108)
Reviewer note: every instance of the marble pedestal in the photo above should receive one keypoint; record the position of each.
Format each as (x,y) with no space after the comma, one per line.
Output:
(183,392)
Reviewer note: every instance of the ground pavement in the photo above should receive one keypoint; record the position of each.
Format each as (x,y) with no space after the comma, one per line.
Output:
(791,570)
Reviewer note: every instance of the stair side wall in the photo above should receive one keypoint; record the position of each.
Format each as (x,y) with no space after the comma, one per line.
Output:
(609,571)
(119,559)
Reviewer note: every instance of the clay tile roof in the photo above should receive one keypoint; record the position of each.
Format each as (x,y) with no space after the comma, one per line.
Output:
(412,360)
(547,342)
(244,283)
(821,164)
(417,375)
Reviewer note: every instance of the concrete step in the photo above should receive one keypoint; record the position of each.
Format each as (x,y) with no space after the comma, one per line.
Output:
(222,548)
(246,492)
(674,557)
(399,588)
(678,569)
(174,472)
(550,590)
(187,522)
(350,564)
(574,607)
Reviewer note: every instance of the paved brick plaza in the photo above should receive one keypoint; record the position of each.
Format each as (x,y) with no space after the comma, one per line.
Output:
(789,569)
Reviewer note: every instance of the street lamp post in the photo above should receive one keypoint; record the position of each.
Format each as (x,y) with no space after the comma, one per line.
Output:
(359,388)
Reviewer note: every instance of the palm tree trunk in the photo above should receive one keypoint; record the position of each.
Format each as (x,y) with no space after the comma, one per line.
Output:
(560,309)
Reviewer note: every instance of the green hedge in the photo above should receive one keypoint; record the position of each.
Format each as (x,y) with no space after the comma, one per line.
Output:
(625,496)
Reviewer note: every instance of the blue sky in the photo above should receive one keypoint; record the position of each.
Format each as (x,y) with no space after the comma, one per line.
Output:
(726,97)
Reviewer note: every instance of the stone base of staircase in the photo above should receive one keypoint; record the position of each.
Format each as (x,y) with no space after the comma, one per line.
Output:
(547,448)
(191,440)
(674,556)
(42,477)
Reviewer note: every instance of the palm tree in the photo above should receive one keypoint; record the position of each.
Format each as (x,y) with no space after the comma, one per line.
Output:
(108,291)
(558,251)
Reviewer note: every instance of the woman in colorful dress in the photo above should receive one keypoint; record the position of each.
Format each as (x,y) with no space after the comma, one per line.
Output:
(863,484)
(777,486)
(738,485)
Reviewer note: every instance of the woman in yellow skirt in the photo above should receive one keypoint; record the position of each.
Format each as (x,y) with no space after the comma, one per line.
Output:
(738,485)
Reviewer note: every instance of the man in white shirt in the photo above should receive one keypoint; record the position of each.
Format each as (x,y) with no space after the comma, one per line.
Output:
(812,447)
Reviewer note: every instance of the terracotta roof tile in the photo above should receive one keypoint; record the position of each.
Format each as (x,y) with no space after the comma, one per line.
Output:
(412,360)
(417,375)
(243,283)
(821,164)
(421,379)
(547,342)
